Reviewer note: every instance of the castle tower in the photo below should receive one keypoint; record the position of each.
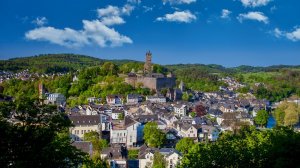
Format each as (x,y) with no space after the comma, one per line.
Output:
(41,90)
(148,63)
(182,86)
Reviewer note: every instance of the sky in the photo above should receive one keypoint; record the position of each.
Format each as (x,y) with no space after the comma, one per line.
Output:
(225,32)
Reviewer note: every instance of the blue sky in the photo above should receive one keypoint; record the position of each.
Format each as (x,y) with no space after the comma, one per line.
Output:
(226,32)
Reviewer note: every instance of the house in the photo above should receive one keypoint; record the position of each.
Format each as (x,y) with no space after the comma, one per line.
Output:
(93,100)
(84,124)
(187,130)
(156,99)
(214,112)
(55,99)
(134,99)
(114,100)
(84,146)
(127,132)
(180,110)
(172,156)
(115,155)
(115,115)
(146,156)
(210,133)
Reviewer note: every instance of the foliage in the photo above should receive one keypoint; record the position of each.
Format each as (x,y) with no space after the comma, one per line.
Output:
(159,161)
(153,136)
(37,137)
(200,110)
(133,154)
(287,114)
(193,114)
(94,137)
(249,148)
(121,116)
(184,145)
(261,118)
(186,96)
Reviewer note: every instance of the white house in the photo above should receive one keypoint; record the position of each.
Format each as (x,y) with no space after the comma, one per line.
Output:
(114,100)
(127,132)
(156,99)
(55,98)
(134,99)
(180,110)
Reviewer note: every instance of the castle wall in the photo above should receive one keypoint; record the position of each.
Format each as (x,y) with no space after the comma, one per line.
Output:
(165,83)
(151,82)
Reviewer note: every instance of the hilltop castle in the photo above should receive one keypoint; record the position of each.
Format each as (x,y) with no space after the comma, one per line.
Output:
(153,81)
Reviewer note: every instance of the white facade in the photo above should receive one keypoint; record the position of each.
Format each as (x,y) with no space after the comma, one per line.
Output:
(156,99)
(56,98)
(180,111)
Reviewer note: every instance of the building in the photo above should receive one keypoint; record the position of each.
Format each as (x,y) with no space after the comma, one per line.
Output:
(55,98)
(83,124)
(114,100)
(127,132)
(180,110)
(153,81)
(134,99)
(156,99)
(41,91)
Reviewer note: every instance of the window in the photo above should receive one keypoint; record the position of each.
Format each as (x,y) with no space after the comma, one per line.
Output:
(81,131)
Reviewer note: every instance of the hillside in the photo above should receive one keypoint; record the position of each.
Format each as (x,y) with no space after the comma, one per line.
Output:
(49,63)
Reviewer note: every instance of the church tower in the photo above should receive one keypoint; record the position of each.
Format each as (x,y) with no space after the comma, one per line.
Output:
(148,63)
(41,90)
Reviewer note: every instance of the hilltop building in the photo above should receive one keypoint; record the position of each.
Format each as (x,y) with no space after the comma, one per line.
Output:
(153,81)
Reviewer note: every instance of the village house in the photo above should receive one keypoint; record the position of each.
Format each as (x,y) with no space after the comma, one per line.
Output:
(114,100)
(127,132)
(84,124)
(116,155)
(180,110)
(156,99)
(134,99)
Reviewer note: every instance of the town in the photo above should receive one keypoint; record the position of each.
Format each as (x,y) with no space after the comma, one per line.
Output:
(121,120)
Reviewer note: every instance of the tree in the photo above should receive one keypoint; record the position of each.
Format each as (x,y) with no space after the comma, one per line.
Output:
(291,115)
(121,116)
(261,118)
(153,136)
(185,97)
(159,161)
(248,148)
(94,137)
(200,110)
(184,145)
(193,114)
(37,137)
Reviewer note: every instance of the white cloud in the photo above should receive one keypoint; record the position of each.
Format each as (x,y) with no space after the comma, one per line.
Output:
(93,32)
(40,21)
(111,15)
(225,13)
(258,16)
(178,1)
(255,3)
(183,16)
(108,11)
(147,8)
(278,33)
(134,1)
(294,35)
(112,20)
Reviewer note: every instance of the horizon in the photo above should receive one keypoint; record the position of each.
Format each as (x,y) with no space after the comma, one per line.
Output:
(229,33)
(142,61)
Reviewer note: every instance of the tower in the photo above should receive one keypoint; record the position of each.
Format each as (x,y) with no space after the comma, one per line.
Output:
(41,90)
(182,86)
(148,63)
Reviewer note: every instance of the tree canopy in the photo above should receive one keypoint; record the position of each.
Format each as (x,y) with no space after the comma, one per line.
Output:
(34,135)
(153,136)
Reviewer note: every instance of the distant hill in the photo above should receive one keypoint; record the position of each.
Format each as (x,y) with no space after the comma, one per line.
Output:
(48,63)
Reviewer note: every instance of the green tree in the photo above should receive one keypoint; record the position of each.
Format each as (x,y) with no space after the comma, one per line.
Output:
(153,136)
(186,97)
(94,137)
(184,145)
(248,148)
(37,136)
(193,114)
(159,161)
(121,116)
(261,118)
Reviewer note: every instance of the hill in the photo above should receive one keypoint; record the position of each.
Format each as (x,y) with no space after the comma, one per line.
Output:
(50,63)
